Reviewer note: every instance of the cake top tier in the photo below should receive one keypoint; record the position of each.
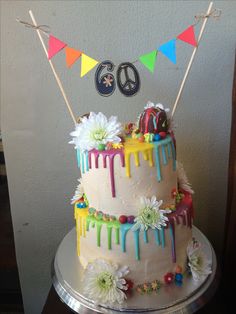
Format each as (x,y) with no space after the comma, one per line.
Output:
(96,131)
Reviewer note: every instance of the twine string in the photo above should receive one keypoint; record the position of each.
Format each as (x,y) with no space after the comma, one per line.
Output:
(43,28)
(216,13)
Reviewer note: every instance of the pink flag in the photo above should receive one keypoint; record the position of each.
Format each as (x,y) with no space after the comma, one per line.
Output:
(54,46)
(188,36)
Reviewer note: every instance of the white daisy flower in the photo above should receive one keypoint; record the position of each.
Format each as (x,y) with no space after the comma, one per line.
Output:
(182,179)
(79,192)
(76,135)
(104,282)
(95,130)
(150,215)
(198,263)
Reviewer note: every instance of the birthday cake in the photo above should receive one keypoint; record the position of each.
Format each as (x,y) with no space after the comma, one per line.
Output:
(133,207)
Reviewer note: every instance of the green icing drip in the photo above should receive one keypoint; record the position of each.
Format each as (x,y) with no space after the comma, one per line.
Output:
(109,233)
(99,228)
(117,236)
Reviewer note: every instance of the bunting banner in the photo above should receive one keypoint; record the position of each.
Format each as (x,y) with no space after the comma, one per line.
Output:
(71,56)
(127,77)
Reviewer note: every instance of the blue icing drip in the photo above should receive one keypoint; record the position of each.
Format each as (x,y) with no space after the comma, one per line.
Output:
(158,166)
(78,157)
(87,161)
(145,236)
(173,154)
(136,243)
(154,122)
(124,228)
(168,149)
(164,155)
(82,162)
(162,237)
(157,238)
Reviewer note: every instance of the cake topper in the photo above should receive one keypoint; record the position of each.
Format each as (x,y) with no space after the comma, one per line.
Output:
(148,60)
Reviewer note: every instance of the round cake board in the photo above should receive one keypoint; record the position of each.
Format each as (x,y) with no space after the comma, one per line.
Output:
(188,298)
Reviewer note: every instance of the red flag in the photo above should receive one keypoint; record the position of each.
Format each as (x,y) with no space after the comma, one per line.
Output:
(54,46)
(188,36)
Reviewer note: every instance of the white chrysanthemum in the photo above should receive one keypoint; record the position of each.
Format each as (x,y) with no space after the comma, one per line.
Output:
(198,263)
(183,179)
(76,134)
(104,282)
(150,215)
(95,130)
(79,192)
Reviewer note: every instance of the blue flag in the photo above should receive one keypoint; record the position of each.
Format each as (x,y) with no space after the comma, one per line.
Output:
(168,49)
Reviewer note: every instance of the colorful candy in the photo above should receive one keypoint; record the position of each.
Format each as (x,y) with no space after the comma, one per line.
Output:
(123,219)
(130,219)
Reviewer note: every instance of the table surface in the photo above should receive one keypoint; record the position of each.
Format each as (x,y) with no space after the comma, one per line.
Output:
(188,303)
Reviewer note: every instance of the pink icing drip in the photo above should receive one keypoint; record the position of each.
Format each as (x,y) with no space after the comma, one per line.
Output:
(89,160)
(104,161)
(110,154)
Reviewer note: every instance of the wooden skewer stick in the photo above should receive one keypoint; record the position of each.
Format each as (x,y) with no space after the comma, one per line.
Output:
(53,69)
(191,59)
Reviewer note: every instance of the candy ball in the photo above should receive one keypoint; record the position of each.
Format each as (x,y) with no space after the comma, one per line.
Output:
(157,137)
(141,139)
(123,219)
(101,147)
(178,269)
(179,277)
(162,134)
(130,219)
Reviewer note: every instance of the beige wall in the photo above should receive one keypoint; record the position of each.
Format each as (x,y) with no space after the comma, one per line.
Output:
(41,165)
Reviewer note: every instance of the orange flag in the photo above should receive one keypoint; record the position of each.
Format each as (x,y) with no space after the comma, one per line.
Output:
(71,56)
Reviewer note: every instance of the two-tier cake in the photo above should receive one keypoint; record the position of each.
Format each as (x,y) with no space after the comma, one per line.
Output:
(133,207)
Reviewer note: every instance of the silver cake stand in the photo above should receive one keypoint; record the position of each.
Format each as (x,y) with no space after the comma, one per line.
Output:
(191,296)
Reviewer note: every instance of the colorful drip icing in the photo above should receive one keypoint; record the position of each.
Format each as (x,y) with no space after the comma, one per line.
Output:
(163,151)
(183,214)
(80,217)
(85,161)
(165,144)
(132,146)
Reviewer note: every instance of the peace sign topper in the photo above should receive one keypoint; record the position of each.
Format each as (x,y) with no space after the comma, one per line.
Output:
(127,77)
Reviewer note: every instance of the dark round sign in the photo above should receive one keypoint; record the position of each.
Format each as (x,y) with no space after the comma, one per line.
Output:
(128,80)
(105,84)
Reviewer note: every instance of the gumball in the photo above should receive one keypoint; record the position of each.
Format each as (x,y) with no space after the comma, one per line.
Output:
(178,269)
(123,219)
(156,137)
(130,219)
(101,147)
(141,139)
(162,134)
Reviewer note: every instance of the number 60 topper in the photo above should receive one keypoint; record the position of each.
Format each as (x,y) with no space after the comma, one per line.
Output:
(128,80)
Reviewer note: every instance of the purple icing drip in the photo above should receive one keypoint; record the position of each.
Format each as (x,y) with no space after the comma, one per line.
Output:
(110,154)
(172,226)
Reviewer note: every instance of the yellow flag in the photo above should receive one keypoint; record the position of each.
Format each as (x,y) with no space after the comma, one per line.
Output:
(87,64)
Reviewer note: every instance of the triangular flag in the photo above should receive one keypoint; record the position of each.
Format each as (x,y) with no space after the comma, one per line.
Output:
(168,49)
(71,56)
(54,46)
(87,64)
(149,60)
(188,36)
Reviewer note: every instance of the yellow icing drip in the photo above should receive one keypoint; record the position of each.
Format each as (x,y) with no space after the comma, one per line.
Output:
(133,146)
(80,217)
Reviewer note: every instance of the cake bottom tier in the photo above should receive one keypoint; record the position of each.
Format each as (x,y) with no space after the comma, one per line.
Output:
(150,255)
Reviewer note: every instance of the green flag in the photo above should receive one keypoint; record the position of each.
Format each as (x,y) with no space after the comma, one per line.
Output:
(149,60)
